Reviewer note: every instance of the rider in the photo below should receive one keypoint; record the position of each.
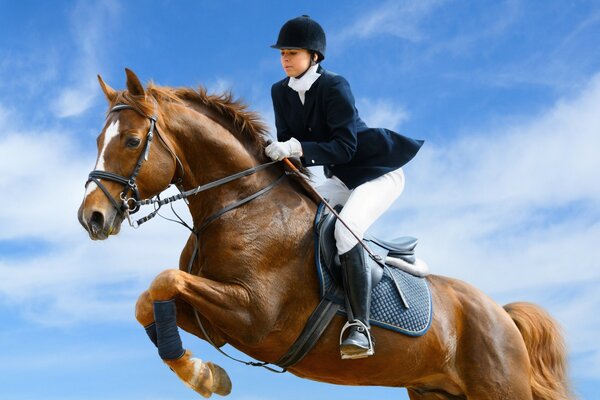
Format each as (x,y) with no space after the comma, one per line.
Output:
(317,120)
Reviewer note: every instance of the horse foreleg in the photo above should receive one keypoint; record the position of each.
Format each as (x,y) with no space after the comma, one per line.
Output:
(156,311)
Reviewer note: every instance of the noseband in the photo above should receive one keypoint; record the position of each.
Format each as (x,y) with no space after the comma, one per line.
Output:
(131,205)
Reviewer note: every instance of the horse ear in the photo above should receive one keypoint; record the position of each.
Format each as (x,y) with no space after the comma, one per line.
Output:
(109,92)
(134,85)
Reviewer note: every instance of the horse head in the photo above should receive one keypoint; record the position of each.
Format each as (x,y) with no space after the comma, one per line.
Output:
(128,167)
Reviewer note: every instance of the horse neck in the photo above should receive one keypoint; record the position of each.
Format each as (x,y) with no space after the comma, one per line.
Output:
(208,152)
(265,251)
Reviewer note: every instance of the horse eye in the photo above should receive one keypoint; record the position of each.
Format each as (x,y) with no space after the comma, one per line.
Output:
(133,143)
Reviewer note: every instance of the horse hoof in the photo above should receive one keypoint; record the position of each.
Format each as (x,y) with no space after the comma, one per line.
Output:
(194,373)
(221,382)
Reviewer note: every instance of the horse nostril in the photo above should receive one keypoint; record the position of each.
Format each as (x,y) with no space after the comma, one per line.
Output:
(96,222)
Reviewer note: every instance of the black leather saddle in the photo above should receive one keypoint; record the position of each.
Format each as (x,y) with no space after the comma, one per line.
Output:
(403,248)
(400,301)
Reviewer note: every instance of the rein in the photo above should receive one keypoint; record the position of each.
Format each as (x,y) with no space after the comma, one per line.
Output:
(131,205)
(184,195)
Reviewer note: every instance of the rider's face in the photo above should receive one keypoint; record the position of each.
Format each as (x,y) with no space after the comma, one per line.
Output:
(295,61)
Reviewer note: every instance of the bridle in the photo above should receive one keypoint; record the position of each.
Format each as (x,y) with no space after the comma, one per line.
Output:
(128,205)
(131,205)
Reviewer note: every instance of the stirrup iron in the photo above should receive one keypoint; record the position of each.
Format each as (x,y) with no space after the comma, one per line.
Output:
(368,352)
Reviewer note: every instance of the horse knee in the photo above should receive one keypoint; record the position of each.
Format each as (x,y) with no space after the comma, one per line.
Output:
(144,311)
(166,285)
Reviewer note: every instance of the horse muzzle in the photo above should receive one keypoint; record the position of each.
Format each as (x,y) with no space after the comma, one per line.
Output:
(100,224)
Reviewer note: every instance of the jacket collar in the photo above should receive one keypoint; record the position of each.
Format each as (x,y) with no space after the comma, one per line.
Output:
(320,71)
(309,100)
(309,96)
(304,83)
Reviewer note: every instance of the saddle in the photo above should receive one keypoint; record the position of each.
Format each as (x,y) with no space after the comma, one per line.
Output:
(400,250)
(400,298)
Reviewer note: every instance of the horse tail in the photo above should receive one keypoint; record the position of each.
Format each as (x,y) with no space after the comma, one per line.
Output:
(547,351)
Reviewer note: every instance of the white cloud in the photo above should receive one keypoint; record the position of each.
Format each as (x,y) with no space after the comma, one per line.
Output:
(76,99)
(519,202)
(516,212)
(382,113)
(79,280)
(37,172)
(575,306)
(219,86)
(28,71)
(83,281)
(547,161)
(42,178)
(91,25)
(5,115)
(396,18)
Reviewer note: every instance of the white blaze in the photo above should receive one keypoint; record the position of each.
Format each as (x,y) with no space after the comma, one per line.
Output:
(111,132)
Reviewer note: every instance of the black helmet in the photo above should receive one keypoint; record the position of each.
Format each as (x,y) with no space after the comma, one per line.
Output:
(302,33)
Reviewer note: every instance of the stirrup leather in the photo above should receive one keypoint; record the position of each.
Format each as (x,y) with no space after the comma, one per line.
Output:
(368,352)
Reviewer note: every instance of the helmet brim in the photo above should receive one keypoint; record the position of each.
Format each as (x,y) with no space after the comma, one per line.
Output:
(321,57)
(280,47)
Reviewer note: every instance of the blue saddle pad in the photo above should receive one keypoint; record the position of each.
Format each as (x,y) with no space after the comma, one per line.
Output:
(388,308)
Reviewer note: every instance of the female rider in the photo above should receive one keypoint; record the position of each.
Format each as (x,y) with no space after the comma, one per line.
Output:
(317,121)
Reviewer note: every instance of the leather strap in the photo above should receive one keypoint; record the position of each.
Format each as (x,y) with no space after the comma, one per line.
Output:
(197,232)
(129,184)
(318,321)
(231,206)
(207,186)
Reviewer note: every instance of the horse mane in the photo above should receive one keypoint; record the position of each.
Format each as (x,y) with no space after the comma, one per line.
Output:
(233,114)
(247,125)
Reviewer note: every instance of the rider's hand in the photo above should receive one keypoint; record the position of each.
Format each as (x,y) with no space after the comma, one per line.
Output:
(277,151)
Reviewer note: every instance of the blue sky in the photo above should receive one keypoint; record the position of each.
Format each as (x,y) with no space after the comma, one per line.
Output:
(504,194)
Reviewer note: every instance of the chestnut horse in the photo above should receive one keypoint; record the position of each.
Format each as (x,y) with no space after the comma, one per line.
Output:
(252,281)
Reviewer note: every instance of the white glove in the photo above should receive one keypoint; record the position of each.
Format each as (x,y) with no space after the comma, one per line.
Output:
(277,151)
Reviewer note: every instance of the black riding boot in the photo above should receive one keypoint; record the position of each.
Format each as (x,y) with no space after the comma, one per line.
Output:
(357,284)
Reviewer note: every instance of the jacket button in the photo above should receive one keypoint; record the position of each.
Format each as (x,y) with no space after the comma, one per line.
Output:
(313,161)
(310,129)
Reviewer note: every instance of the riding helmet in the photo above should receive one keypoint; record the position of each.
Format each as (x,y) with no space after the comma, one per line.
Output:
(302,33)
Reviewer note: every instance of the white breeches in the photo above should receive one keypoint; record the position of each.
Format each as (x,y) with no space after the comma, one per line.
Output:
(362,206)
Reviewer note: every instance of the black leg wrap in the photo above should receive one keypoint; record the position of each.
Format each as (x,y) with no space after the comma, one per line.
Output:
(167,333)
(151,332)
